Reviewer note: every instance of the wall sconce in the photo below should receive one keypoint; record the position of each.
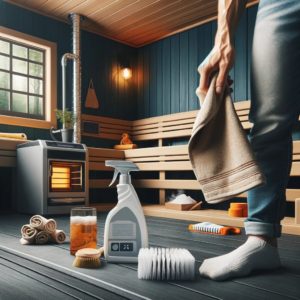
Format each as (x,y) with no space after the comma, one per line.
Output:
(126,72)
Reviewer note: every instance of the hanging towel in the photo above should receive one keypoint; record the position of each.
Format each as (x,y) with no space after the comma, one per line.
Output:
(91,100)
(219,151)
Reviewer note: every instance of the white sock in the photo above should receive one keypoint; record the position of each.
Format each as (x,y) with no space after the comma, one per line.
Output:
(254,254)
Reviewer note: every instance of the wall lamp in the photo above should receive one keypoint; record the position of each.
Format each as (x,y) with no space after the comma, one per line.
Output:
(126,72)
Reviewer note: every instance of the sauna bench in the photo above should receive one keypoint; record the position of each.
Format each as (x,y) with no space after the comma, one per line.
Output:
(167,136)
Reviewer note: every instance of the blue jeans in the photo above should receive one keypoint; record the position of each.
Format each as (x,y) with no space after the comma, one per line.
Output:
(275,107)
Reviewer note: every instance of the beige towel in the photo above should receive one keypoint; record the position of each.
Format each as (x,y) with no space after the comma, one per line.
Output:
(58,236)
(41,223)
(24,242)
(42,238)
(219,150)
(28,233)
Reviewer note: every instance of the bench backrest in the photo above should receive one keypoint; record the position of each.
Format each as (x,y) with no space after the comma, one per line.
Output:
(175,125)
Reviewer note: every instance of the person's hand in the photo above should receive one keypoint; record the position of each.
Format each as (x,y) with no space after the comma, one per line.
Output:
(219,60)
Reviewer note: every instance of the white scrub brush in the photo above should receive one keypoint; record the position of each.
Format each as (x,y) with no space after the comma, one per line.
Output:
(166,264)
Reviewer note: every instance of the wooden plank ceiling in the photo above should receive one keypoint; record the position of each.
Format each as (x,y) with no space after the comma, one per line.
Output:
(134,22)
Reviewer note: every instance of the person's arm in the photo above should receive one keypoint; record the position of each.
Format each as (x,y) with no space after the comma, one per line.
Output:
(221,57)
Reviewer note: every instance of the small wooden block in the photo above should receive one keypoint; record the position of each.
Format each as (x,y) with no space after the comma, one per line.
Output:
(176,206)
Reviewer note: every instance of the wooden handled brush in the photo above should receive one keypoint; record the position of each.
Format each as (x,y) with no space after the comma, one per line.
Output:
(207,227)
(88,258)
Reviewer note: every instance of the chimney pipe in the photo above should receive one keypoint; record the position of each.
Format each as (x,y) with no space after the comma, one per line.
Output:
(75,56)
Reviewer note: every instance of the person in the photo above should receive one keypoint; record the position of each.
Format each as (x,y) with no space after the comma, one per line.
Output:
(275,107)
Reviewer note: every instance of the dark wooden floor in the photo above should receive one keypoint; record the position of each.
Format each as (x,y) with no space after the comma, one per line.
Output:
(46,272)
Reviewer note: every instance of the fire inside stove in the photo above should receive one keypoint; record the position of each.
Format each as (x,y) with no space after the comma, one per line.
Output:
(66,176)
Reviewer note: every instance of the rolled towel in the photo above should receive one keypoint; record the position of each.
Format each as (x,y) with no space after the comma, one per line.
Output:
(24,242)
(50,226)
(17,136)
(42,238)
(41,223)
(58,236)
(28,233)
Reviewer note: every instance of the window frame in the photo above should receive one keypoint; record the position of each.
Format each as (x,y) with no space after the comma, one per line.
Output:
(50,80)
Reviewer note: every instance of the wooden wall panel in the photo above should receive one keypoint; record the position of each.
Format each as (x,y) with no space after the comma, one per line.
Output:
(193,77)
(176,70)
(174,54)
(184,70)
(159,88)
(240,66)
(152,80)
(251,17)
(166,83)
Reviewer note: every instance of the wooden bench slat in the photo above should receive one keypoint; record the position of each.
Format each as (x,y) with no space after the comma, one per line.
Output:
(8,162)
(295,171)
(169,134)
(240,105)
(163,129)
(112,130)
(105,152)
(99,183)
(6,144)
(165,166)
(179,122)
(142,127)
(108,126)
(154,151)
(107,120)
(10,153)
(244,112)
(109,136)
(243,118)
(296,147)
(98,166)
(186,184)
(160,158)
(291,194)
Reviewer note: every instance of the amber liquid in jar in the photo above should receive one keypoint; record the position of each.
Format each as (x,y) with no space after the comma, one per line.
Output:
(83,232)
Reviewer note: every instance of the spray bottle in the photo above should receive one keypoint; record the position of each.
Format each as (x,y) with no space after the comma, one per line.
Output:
(125,226)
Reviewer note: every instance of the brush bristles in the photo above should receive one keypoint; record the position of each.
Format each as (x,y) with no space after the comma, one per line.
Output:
(86,262)
(166,264)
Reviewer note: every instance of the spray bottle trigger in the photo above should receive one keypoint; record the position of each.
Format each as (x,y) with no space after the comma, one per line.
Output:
(114,177)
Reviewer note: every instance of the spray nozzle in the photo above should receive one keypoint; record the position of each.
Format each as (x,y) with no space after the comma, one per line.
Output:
(122,167)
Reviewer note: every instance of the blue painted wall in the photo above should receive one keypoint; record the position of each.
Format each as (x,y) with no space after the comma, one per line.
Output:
(168,74)
(101,58)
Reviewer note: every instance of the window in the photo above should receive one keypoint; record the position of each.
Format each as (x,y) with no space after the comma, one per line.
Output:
(27,80)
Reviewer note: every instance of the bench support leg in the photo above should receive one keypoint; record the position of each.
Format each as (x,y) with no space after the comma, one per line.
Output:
(297,211)
(162,192)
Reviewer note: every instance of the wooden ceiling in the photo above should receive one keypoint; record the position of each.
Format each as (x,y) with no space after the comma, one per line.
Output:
(134,22)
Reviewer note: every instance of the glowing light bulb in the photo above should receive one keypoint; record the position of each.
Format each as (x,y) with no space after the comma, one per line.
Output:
(126,73)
